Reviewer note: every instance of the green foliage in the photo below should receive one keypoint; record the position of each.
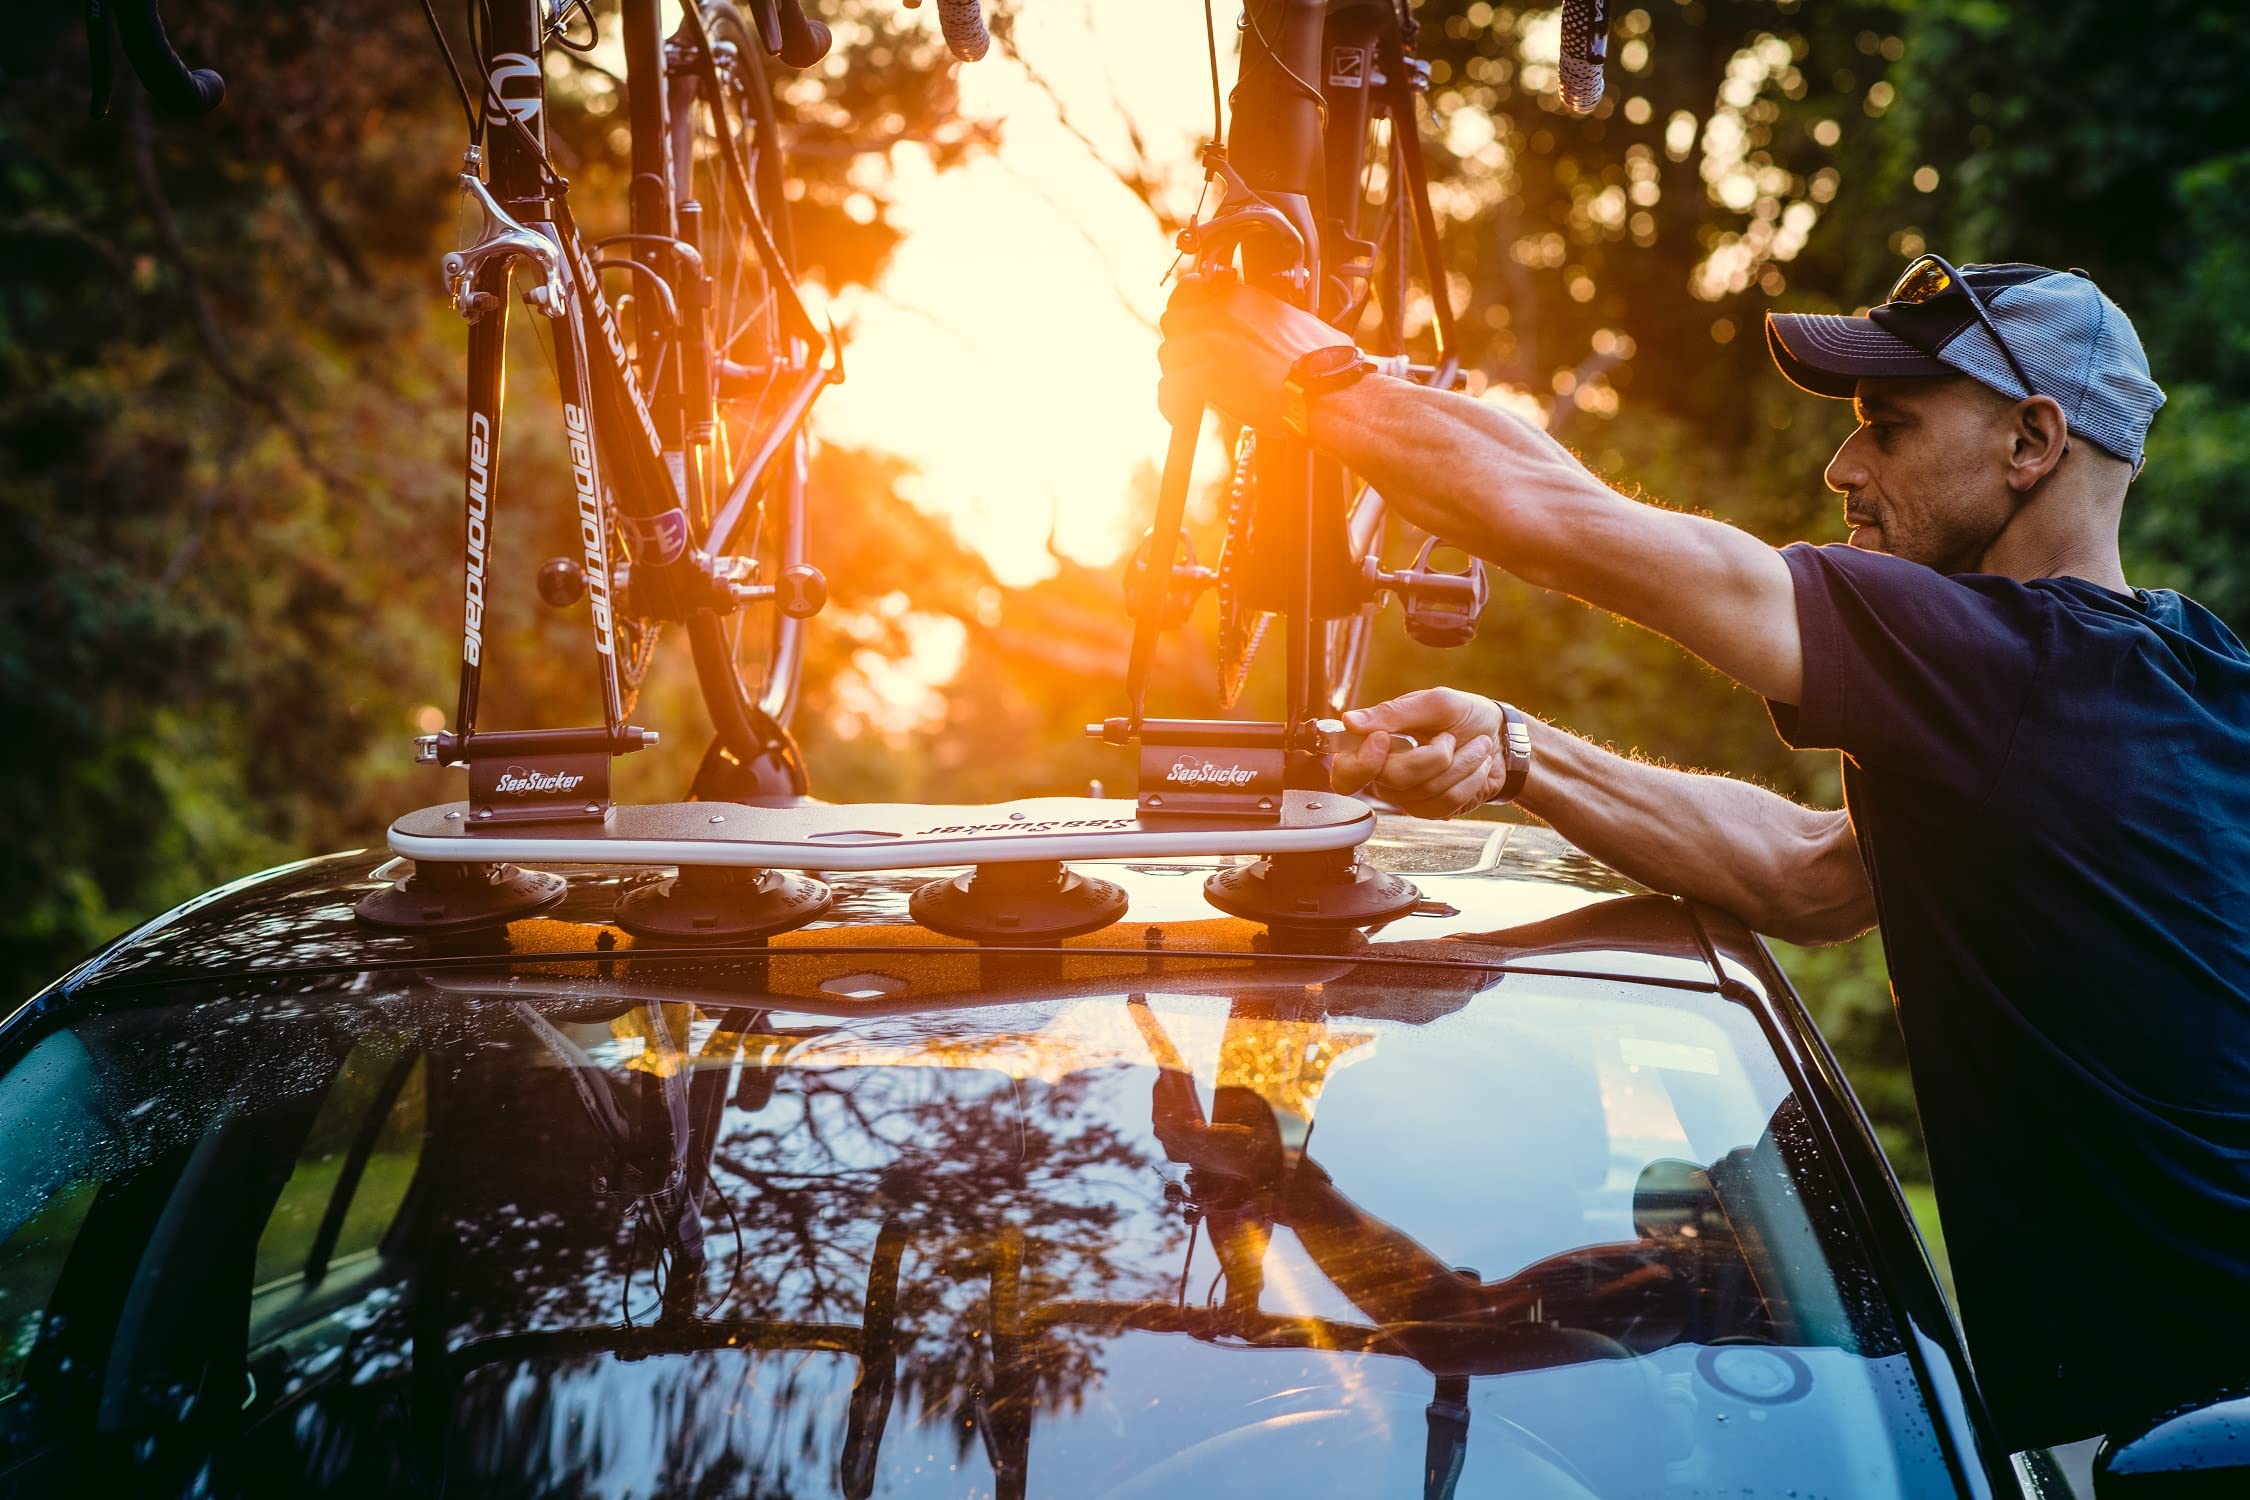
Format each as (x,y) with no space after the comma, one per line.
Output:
(230,429)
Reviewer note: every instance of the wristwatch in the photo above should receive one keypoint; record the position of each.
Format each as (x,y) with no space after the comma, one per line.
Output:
(1515,750)
(1315,374)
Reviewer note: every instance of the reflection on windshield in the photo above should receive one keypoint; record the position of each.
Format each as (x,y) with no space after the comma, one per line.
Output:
(1570,1239)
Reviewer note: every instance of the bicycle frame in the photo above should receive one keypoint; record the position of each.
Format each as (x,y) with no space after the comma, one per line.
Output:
(638,428)
(1313,75)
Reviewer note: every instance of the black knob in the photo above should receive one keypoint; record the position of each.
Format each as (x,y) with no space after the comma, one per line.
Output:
(561,582)
(801,591)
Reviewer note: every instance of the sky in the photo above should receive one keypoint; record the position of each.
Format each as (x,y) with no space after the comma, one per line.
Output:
(1008,351)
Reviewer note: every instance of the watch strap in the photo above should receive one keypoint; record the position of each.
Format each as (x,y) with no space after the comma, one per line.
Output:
(1328,368)
(1515,752)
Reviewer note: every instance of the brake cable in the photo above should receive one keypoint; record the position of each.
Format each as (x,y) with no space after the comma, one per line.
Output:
(460,84)
(1211,43)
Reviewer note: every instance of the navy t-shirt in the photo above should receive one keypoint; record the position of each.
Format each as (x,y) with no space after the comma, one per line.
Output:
(2050,785)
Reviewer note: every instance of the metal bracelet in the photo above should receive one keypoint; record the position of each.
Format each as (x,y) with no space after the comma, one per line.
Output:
(1515,749)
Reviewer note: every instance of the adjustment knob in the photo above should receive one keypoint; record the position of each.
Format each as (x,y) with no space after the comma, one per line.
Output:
(562,582)
(801,591)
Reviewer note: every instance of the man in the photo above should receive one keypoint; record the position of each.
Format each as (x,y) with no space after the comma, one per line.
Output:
(2046,777)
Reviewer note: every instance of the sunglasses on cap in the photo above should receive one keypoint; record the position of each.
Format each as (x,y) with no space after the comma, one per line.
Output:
(1933,276)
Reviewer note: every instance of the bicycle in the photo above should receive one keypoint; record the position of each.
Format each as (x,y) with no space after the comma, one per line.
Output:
(685,421)
(1324,202)
(1324,95)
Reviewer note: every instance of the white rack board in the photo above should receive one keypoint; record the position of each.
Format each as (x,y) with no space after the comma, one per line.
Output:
(884,835)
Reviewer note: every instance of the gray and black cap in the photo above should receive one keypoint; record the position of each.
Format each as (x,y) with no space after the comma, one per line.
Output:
(2076,345)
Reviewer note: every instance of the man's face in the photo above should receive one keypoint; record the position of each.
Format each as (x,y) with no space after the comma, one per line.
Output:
(1925,475)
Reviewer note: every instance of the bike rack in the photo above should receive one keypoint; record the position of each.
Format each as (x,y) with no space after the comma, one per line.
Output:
(730,856)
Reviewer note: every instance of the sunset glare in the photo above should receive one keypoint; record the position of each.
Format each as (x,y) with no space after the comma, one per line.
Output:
(1008,352)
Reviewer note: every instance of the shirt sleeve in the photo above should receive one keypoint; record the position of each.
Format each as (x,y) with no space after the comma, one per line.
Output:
(1907,670)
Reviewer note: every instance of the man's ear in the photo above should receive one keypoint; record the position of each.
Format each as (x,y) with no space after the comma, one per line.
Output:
(2038,437)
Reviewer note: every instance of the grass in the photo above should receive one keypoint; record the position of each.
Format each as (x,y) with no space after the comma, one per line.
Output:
(1922,1199)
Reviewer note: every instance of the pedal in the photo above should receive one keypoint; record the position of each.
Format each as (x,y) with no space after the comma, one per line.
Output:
(1442,609)
(1183,585)
(799,591)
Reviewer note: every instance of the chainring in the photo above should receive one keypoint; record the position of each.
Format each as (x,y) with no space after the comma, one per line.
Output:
(1241,630)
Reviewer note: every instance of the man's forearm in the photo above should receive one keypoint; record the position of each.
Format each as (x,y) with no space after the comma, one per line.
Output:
(1436,457)
(1788,871)
(1491,483)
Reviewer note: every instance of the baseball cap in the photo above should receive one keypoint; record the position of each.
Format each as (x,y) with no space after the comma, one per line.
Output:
(2053,328)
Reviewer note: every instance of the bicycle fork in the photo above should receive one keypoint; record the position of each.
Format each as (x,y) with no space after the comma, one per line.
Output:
(539,775)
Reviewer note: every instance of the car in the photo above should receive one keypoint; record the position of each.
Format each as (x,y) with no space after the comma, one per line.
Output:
(1548,1187)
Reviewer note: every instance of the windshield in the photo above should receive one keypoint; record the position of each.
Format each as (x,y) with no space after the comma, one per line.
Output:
(1278,1231)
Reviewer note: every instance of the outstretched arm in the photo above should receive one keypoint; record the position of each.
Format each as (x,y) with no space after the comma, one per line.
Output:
(1788,871)
(1493,484)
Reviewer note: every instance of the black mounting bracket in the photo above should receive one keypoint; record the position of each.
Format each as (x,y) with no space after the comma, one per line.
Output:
(1219,767)
(521,776)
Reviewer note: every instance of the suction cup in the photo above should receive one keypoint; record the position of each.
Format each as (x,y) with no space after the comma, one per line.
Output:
(1332,893)
(455,897)
(1027,901)
(709,902)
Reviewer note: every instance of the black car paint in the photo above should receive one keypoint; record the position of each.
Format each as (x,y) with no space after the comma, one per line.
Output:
(296,921)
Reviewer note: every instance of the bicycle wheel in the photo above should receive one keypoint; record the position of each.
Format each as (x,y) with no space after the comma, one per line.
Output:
(724,134)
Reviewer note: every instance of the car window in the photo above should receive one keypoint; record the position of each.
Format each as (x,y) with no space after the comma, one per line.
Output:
(345,1190)
(1299,1228)
(54,1119)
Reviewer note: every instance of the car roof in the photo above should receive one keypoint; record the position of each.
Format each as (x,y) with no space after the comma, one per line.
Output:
(1495,894)
(1498,898)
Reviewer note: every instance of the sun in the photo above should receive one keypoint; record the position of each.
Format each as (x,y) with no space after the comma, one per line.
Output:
(1008,352)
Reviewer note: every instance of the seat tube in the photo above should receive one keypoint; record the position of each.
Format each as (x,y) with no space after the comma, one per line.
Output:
(650,201)
(1301,562)
(1274,138)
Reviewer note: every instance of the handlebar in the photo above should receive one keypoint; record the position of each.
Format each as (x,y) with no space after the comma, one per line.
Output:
(963,24)
(172,83)
(789,34)
(1585,44)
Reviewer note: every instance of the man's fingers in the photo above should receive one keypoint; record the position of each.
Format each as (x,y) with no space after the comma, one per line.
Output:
(1423,710)
(1356,767)
(1417,767)
(1443,780)
(1463,791)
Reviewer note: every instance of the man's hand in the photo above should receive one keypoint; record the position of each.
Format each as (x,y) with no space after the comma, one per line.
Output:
(1230,346)
(1456,767)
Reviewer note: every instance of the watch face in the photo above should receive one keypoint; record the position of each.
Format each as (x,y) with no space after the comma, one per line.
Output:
(1333,360)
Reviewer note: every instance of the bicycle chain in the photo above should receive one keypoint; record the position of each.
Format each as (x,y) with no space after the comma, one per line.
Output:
(1241,631)
(636,642)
